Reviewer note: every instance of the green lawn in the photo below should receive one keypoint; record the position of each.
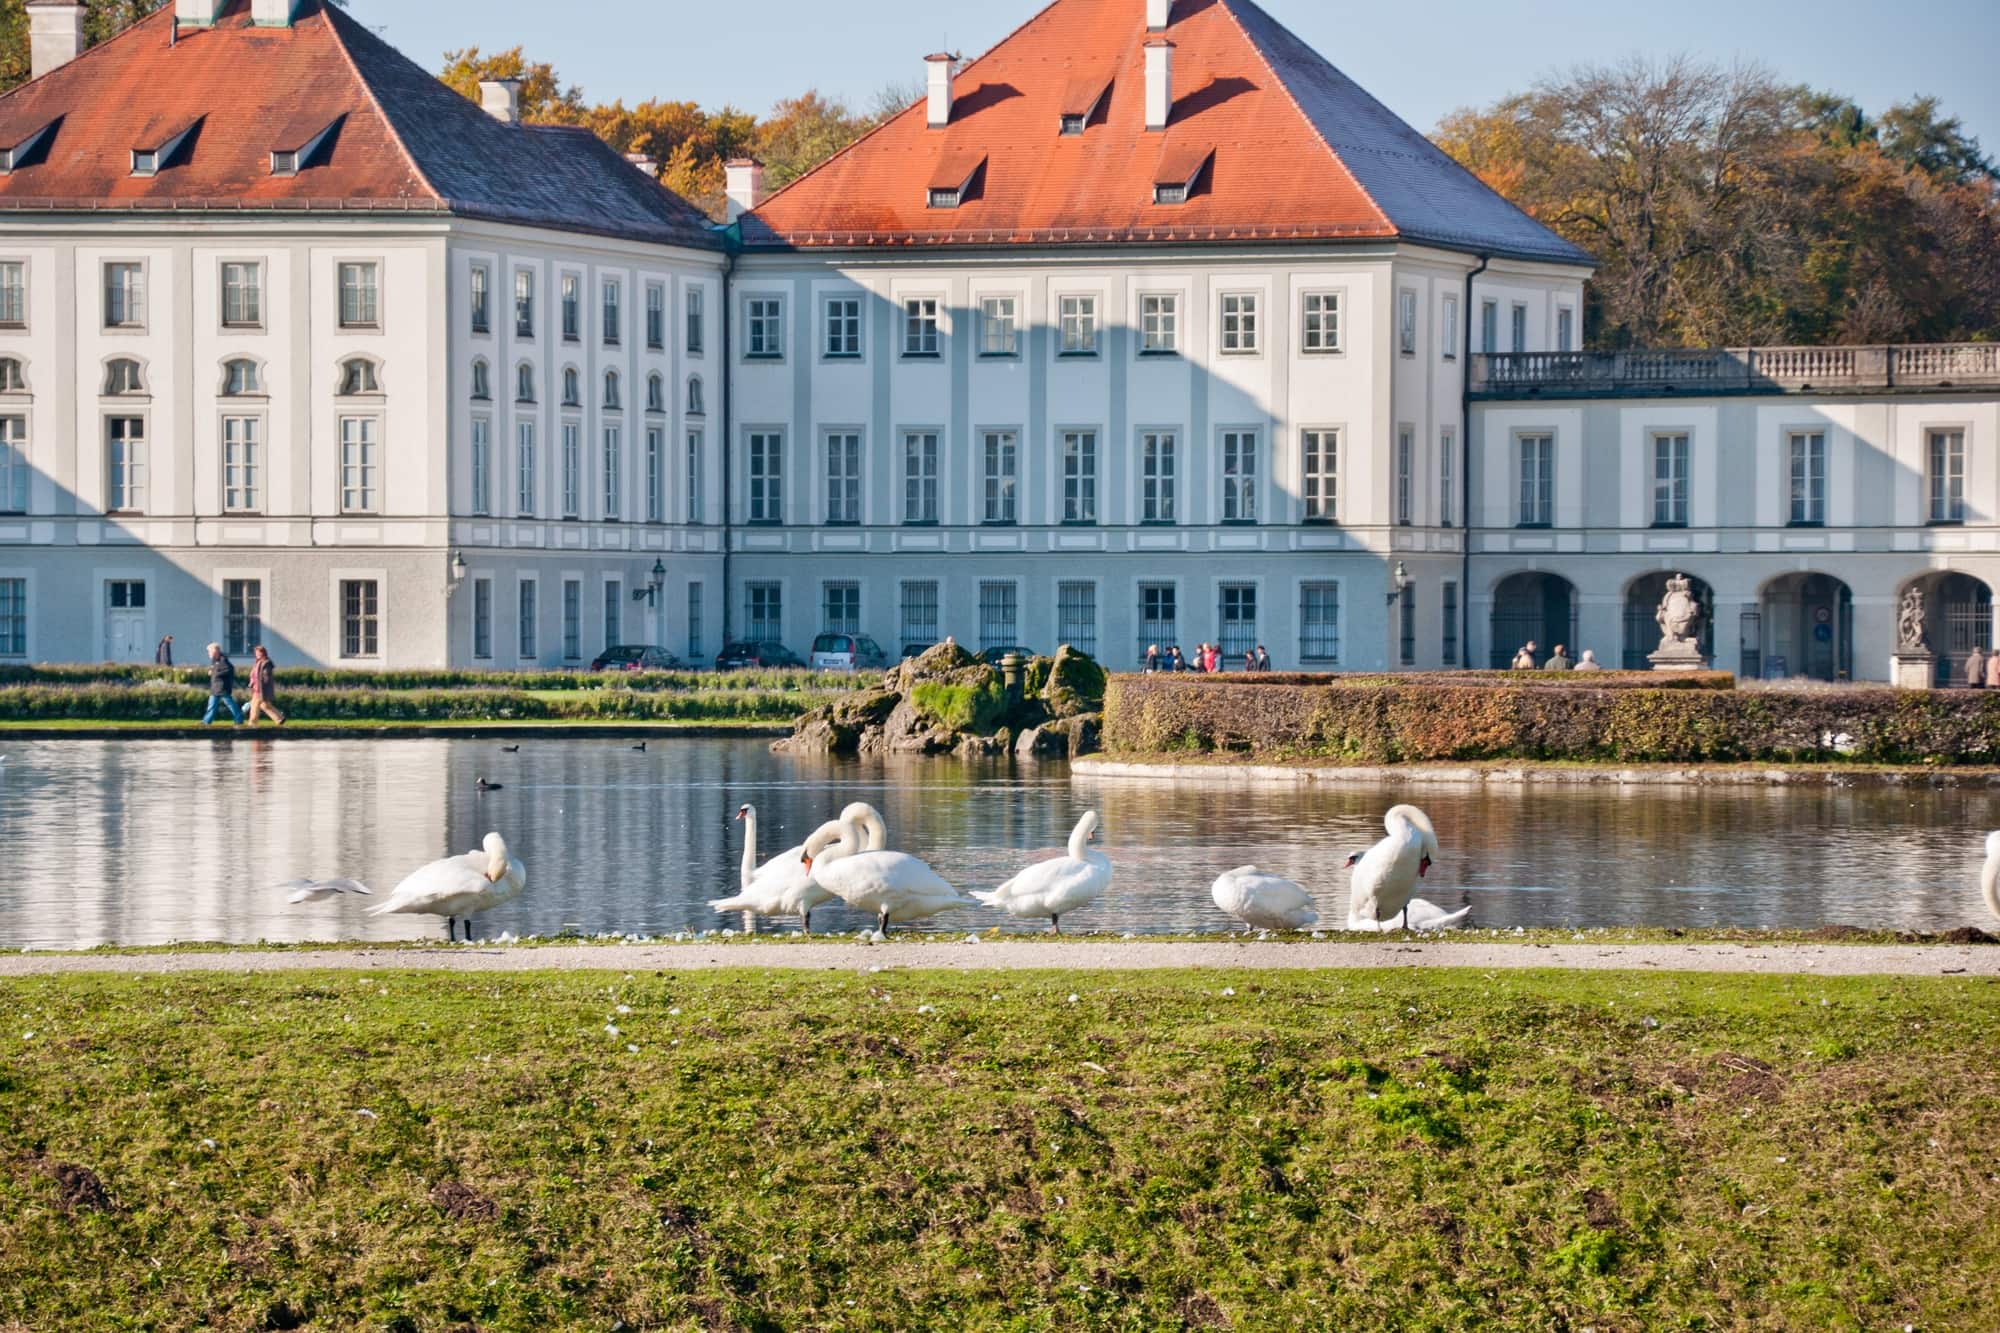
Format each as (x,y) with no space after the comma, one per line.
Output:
(916,1150)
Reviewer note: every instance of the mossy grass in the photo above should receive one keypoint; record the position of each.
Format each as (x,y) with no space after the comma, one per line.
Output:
(411,1150)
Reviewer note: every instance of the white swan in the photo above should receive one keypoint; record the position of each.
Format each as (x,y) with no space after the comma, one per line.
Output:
(1989,874)
(1264,901)
(1424,916)
(460,886)
(895,886)
(782,886)
(1385,876)
(1052,888)
(319,890)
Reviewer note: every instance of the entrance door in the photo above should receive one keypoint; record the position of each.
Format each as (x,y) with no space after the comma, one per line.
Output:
(125,629)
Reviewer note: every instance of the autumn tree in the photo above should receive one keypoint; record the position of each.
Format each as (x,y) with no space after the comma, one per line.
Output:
(543,98)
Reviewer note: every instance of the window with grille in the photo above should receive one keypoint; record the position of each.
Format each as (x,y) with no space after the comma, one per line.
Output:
(764,328)
(1079,476)
(1538,480)
(767,477)
(14,465)
(482,619)
(242,296)
(527,639)
(1002,475)
(843,478)
(524,303)
(920,327)
(840,607)
(694,621)
(1237,615)
(572,470)
(1159,324)
(242,615)
(1807,466)
(843,328)
(1448,605)
(920,477)
(1406,450)
(242,465)
(572,620)
(1408,605)
(360,296)
(482,466)
(656,475)
(360,618)
(919,614)
(1079,325)
(999,329)
(1447,476)
(614,613)
(1670,481)
(614,460)
(998,618)
(1320,479)
(1076,615)
(1239,476)
(122,375)
(13,617)
(1319,329)
(1319,622)
(358,376)
(360,464)
(524,460)
(1448,329)
(614,312)
(1239,322)
(13,379)
(766,611)
(1156,477)
(1945,455)
(1159,623)
(126,465)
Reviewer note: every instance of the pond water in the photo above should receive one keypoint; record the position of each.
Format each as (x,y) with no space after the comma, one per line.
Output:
(146,842)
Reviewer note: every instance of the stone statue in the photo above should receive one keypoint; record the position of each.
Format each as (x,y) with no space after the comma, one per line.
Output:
(1679,617)
(1910,634)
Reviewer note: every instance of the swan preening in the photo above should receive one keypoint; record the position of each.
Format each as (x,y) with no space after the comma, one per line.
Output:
(1052,888)
(1380,892)
(894,886)
(1989,874)
(1266,902)
(460,886)
(782,886)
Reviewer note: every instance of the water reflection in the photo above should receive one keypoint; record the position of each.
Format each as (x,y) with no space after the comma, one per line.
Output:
(147,842)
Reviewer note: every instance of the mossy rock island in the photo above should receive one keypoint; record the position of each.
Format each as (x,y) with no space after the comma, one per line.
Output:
(947,701)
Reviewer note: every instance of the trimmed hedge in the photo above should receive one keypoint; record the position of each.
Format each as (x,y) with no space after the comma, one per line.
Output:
(1408,723)
(179,703)
(1514,680)
(295,678)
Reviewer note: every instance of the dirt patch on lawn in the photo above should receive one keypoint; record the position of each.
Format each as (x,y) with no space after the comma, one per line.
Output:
(462,1203)
(1748,1078)
(79,1189)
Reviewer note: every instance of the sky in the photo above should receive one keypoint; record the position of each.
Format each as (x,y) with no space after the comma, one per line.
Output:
(1423,59)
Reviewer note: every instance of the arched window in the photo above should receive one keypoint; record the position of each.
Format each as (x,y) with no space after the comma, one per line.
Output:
(12,378)
(611,400)
(695,408)
(122,375)
(357,376)
(482,380)
(572,388)
(656,394)
(524,383)
(239,377)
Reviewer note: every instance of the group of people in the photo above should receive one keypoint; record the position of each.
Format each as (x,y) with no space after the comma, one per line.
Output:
(1207,657)
(1526,660)
(222,683)
(1982,669)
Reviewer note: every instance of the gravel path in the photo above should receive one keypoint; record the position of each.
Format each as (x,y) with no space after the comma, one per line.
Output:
(1272,955)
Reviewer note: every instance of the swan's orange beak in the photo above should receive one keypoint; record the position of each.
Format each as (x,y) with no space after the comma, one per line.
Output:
(808,864)
(1423,867)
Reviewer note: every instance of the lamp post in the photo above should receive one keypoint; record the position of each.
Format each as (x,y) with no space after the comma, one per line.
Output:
(455,572)
(1399,582)
(649,593)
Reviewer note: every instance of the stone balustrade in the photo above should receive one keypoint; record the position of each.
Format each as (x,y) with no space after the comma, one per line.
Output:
(1652,372)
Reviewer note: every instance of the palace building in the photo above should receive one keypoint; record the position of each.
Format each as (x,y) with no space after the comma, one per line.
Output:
(1147,326)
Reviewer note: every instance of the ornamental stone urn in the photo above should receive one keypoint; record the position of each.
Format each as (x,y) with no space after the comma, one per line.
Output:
(1913,666)
(1679,618)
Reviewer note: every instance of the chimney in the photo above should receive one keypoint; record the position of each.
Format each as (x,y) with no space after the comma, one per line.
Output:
(55,34)
(1159,82)
(501,99)
(196,13)
(743,183)
(1159,13)
(645,162)
(274,13)
(937,79)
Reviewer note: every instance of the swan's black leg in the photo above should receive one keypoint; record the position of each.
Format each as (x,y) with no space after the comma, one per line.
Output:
(882,923)
(450,929)
(806,919)
(1055,924)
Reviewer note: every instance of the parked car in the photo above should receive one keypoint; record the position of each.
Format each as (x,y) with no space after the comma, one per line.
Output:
(992,656)
(761,654)
(635,657)
(847,652)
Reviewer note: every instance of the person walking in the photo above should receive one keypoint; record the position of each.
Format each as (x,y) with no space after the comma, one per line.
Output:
(1975,669)
(1249,659)
(221,685)
(1214,657)
(263,688)
(1558,660)
(1993,671)
(1525,659)
(1152,658)
(164,654)
(1178,663)
(1588,662)
(1263,659)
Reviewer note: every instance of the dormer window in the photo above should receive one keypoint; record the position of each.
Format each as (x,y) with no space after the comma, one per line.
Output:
(1170,194)
(29,150)
(1072,125)
(240,378)
(947,198)
(357,376)
(1080,102)
(302,153)
(1180,171)
(150,159)
(122,375)
(954,177)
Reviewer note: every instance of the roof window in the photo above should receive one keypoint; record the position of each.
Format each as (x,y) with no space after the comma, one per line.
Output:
(162,151)
(1179,172)
(30,150)
(951,184)
(1081,98)
(307,148)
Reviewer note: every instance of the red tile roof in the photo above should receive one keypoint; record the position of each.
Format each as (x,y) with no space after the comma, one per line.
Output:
(405,142)
(1300,151)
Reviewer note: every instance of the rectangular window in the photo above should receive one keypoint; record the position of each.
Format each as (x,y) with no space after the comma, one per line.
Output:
(1670,481)
(919,614)
(920,476)
(1319,622)
(1406,322)
(1565,329)
(694,488)
(13,465)
(1807,464)
(1159,625)
(1159,324)
(695,323)
(767,477)
(1448,604)
(1239,322)
(242,616)
(999,328)
(527,645)
(524,303)
(614,459)
(694,622)
(524,457)
(572,620)
(1076,615)
(1407,650)
(656,316)
(1319,453)
(998,615)
(1002,476)
(1079,325)
(1156,473)
(1239,476)
(482,619)
(125,471)
(242,467)
(1447,476)
(482,466)
(656,475)
(1079,461)
(1448,329)
(242,296)
(920,327)
(843,328)
(614,312)
(764,328)
(360,296)
(843,478)
(572,470)
(766,620)
(480,291)
(614,613)
(1538,481)
(13,294)
(360,459)
(1406,481)
(1236,614)
(1518,329)
(840,607)
(572,308)
(360,618)
(124,296)
(1489,326)
(1319,329)
(13,617)
(1945,461)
